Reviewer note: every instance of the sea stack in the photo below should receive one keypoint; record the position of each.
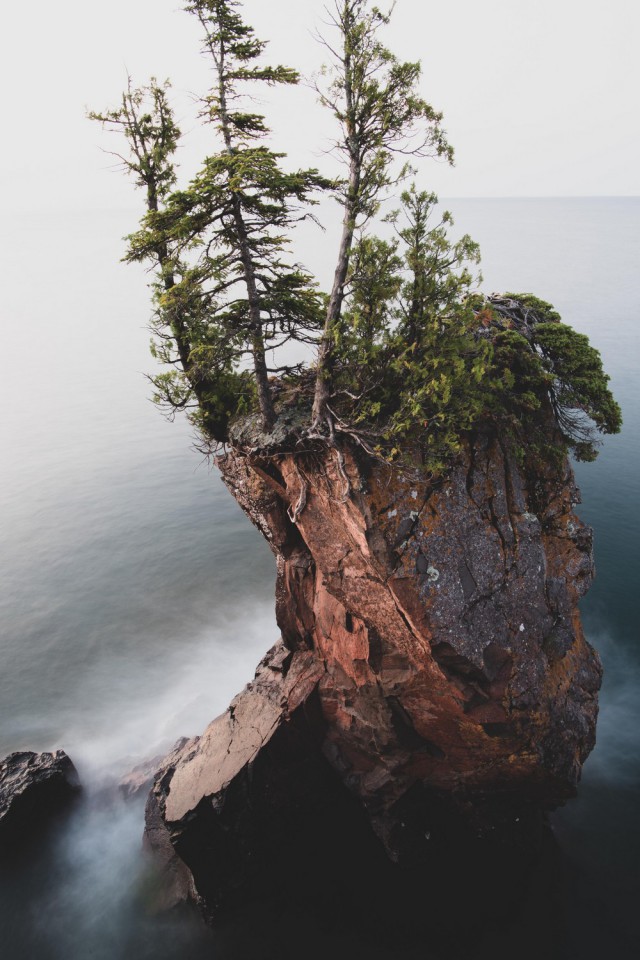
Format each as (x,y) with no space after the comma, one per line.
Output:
(432,672)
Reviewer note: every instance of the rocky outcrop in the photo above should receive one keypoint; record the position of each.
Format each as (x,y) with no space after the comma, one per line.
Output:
(34,787)
(432,668)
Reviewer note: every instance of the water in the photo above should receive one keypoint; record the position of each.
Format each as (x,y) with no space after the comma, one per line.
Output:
(137,599)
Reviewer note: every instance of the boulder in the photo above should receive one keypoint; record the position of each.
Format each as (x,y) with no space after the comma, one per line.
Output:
(34,788)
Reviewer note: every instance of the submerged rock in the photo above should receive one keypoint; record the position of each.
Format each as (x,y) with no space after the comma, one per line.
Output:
(34,787)
(432,670)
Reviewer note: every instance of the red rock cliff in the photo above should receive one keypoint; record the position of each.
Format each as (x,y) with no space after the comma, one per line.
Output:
(431,648)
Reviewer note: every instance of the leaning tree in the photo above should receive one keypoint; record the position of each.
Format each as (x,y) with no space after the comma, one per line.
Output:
(227,291)
(375,99)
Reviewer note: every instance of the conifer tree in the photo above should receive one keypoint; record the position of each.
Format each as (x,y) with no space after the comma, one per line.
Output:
(374,98)
(145,120)
(439,271)
(226,290)
(411,339)
(373,285)
(541,364)
(244,204)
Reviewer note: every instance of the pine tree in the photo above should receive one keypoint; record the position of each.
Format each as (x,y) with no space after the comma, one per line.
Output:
(145,120)
(226,292)
(243,204)
(420,363)
(439,270)
(373,284)
(374,98)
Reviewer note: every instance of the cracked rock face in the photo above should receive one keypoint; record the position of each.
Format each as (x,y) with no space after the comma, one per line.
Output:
(431,648)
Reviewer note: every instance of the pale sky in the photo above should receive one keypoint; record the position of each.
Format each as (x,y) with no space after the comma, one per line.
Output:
(540,97)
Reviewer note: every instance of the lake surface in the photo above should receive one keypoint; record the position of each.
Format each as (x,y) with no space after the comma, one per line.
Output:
(136,598)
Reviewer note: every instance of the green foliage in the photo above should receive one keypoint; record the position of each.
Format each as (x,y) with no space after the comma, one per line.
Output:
(226,293)
(441,387)
(411,364)
(374,282)
(439,271)
(412,356)
(532,309)
(579,382)
(547,385)
(375,98)
(376,102)
(145,119)
(425,359)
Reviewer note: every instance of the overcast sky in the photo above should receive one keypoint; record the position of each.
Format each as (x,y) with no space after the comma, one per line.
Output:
(539,98)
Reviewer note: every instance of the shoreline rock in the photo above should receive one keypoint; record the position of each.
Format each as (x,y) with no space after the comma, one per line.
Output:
(432,679)
(34,789)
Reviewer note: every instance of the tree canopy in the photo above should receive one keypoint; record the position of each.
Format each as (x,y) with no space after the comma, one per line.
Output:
(404,352)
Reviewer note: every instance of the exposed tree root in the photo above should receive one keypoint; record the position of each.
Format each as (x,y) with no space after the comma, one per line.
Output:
(301,502)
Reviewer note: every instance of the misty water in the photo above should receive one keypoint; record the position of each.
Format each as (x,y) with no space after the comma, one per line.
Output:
(136,599)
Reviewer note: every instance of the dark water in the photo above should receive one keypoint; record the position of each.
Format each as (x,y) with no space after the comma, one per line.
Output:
(136,599)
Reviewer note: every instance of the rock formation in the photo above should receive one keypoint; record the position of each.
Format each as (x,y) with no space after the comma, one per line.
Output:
(432,673)
(33,788)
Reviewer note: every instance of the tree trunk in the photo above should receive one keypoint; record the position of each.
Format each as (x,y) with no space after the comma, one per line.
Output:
(183,344)
(326,351)
(255,321)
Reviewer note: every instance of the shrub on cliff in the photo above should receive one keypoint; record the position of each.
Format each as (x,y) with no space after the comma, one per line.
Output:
(541,363)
